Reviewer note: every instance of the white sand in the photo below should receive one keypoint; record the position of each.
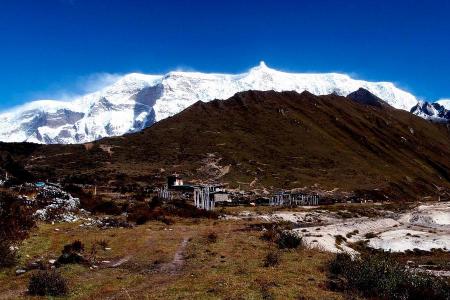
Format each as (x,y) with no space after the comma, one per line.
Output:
(405,239)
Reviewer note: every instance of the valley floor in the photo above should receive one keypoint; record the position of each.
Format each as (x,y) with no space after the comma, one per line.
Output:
(224,259)
(156,261)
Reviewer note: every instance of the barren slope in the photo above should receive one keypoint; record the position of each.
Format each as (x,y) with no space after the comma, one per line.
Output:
(270,140)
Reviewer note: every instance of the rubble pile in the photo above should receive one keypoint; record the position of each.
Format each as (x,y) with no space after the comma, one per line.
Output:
(56,205)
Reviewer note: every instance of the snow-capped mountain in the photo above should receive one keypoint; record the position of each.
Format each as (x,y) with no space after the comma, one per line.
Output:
(136,101)
(445,103)
(431,111)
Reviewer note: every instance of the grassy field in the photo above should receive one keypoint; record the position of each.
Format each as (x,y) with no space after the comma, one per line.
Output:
(195,259)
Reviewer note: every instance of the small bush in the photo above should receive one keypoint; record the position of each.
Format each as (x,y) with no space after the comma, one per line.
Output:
(109,207)
(350,234)
(142,219)
(16,219)
(275,230)
(270,235)
(141,214)
(346,214)
(340,239)
(47,283)
(76,246)
(8,257)
(265,289)
(114,223)
(72,254)
(272,259)
(370,235)
(167,221)
(340,263)
(289,240)
(212,237)
(103,244)
(266,294)
(155,202)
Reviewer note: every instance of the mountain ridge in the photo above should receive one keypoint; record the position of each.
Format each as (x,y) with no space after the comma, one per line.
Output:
(266,141)
(136,101)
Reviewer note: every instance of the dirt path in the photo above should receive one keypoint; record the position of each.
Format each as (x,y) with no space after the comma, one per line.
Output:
(171,268)
(120,262)
(177,262)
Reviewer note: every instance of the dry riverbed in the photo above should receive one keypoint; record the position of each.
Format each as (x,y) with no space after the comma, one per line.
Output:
(424,227)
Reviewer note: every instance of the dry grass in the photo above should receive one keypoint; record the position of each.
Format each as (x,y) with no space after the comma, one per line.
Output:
(154,264)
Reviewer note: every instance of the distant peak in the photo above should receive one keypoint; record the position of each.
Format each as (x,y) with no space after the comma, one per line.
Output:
(363,91)
(261,67)
(365,97)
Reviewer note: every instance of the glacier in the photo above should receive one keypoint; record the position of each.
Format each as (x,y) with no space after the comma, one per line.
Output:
(136,101)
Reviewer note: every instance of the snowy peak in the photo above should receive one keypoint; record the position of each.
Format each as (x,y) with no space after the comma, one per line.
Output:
(261,68)
(431,111)
(136,101)
(445,103)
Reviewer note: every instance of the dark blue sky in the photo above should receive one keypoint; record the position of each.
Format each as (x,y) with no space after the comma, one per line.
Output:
(52,46)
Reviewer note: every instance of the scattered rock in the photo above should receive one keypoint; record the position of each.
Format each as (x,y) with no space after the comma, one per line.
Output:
(20,271)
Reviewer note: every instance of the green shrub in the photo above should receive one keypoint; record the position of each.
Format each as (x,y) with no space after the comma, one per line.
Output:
(72,254)
(340,263)
(47,283)
(275,230)
(381,277)
(76,246)
(289,240)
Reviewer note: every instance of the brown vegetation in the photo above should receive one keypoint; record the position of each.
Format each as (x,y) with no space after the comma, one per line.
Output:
(47,283)
(360,148)
(16,219)
(153,261)
(15,222)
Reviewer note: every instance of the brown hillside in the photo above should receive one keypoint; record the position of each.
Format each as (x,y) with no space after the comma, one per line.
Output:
(269,140)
